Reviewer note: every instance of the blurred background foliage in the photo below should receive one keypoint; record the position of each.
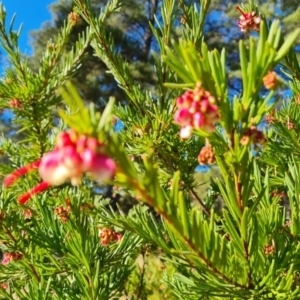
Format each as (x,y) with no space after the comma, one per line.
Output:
(134,39)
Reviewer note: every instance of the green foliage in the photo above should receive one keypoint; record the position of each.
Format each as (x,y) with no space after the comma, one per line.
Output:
(239,241)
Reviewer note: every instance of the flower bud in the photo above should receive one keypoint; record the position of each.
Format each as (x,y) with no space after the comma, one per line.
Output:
(248,20)
(185,100)
(206,155)
(74,18)
(108,236)
(9,257)
(270,81)
(15,103)
(103,168)
(63,140)
(186,132)
(183,117)
(52,170)
(62,213)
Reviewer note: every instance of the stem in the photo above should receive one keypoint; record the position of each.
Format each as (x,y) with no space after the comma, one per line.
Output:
(240,10)
(184,13)
(191,190)
(34,272)
(140,289)
(7,231)
(246,246)
(290,67)
(148,35)
(197,198)
(147,198)
(238,189)
(209,265)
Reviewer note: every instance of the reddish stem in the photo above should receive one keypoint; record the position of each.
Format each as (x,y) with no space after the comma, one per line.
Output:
(37,189)
(11,178)
(238,191)
(240,10)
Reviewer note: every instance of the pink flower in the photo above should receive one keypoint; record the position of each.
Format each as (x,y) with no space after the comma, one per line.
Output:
(73,156)
(103,168)
(88,157)
(186,132)
(248,21)
(93,144)
(183,117)
(196,110)
(52,170)
(9,257)
(185,100)
(63,140)
(81,143)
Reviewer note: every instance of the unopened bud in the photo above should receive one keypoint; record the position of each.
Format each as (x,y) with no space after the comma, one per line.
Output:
(206,155)
(74,18)
(270,81)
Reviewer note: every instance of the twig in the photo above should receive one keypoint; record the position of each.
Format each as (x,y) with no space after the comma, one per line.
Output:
(141,285)
(197,198)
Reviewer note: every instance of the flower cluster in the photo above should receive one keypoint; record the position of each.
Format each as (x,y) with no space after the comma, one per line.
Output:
(73,156)
(270,81)
(74,18)
(107,236)
(27,213)
(253,136)
(9,257)
(15,103)
(270,118)
(62,213)
(4,286)
(270,249)
(196,109)
(206,155)
(248,20)
(290,125)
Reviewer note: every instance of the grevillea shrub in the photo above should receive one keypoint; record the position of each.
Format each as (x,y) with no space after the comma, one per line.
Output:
(61,239)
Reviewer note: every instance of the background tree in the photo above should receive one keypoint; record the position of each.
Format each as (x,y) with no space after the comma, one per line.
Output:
(133,37)
(134,40)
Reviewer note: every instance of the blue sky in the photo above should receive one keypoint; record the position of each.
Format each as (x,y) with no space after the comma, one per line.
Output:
(32,13)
